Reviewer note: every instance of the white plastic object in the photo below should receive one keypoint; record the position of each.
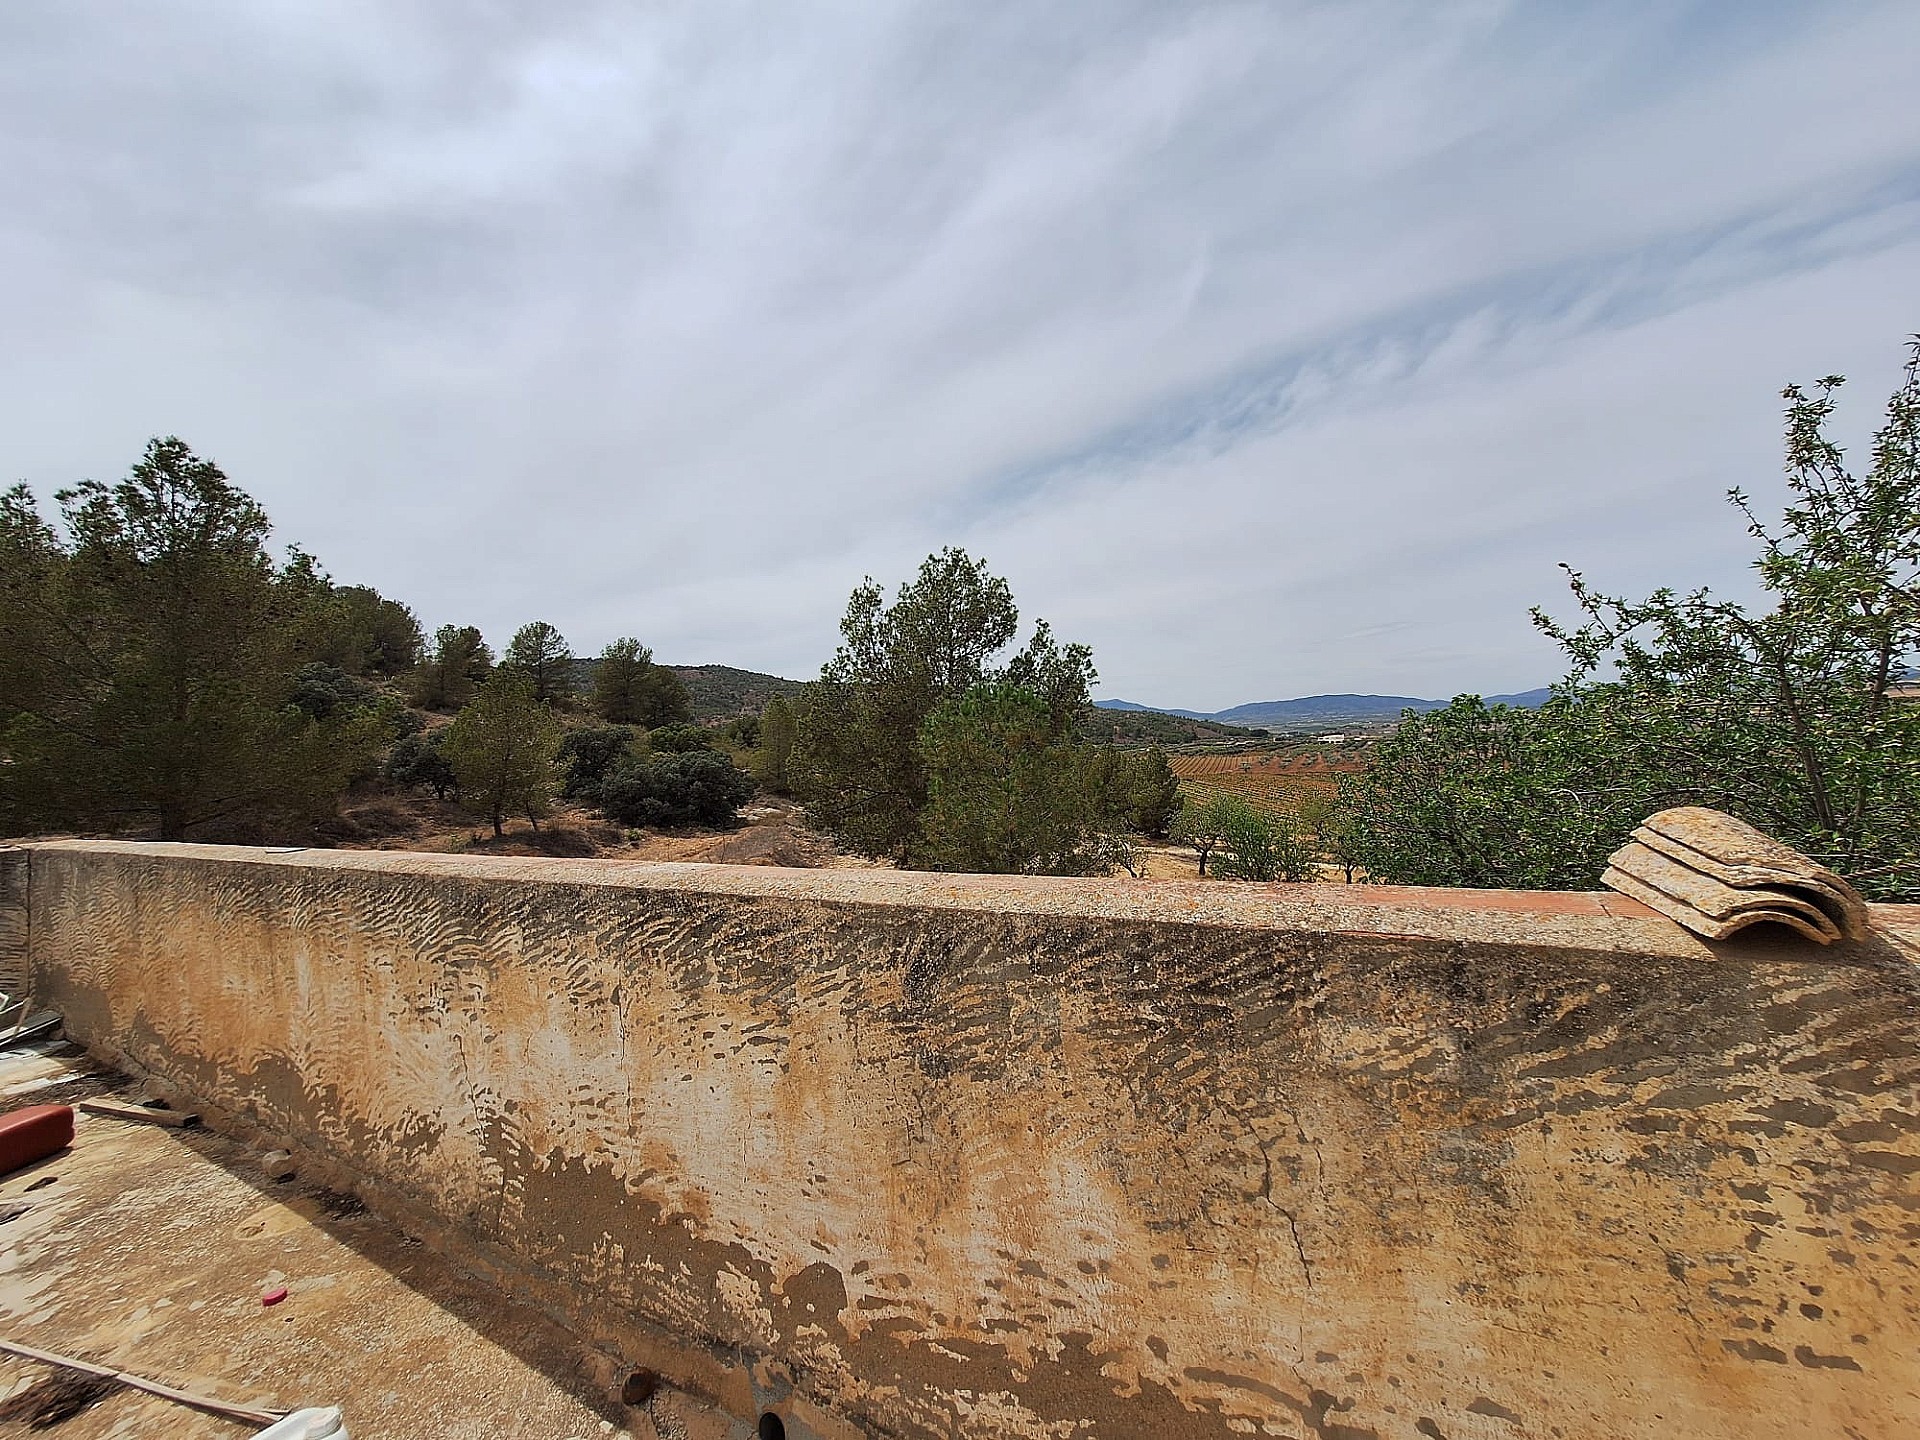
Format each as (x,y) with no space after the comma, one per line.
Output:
(314,1423)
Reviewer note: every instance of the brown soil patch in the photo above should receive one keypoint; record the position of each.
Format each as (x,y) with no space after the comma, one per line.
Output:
(772,832)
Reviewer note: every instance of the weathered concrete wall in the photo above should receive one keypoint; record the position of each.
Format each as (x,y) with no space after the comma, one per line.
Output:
(946,1156)
(13,927)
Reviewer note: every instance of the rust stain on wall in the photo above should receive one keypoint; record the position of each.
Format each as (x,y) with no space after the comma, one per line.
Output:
(947,1157)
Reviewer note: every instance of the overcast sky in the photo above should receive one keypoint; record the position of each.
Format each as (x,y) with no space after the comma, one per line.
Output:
(1270,349)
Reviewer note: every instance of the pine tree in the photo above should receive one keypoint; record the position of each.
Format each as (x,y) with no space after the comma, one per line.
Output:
(503,747)
(539,652)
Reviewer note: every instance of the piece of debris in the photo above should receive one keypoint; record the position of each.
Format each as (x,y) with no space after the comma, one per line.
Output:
(274,1296)
(140,1382)
(279,1165)
(34,1027)
(1717,875)
(147,1114)
(33,1133)
(56,1397)
(314,1423)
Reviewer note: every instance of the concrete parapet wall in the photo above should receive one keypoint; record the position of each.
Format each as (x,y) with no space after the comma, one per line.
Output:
(13,930)
(955,1156)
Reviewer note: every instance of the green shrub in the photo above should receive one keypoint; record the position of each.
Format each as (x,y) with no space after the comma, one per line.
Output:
(589,755)
(691,787)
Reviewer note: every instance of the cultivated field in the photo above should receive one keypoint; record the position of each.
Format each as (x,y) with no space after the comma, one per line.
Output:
(1274,781)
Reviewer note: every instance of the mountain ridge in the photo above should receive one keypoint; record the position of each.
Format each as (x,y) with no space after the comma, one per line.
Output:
(1324,708)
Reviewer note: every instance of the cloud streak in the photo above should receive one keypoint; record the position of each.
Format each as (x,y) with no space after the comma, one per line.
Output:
(1271,349)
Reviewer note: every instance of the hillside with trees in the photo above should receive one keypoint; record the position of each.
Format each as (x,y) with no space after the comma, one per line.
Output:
(721,692)
(1157,727)
(161,672)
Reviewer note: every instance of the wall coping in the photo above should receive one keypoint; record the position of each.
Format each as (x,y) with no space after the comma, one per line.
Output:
(1598,921)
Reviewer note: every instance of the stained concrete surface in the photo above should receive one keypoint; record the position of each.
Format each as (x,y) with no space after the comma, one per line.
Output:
(983,1157)
(149,1249)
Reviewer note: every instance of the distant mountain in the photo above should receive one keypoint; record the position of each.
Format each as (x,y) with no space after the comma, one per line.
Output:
(1322,707)
(1141,726)
(1312,711)
(1525,700)
(1129,707)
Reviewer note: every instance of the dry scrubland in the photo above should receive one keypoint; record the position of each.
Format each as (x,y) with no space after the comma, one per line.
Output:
(774,831)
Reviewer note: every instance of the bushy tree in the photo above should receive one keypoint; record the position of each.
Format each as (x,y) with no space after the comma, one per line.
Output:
(777,729)
(148,656)
(1153,793)
(679,739)
(1492,796)
(856,760)
(630,688)
(369,634)
(1783,715)
(1257,845)
(461,661)
(324,691)
(1008,793)
(540,652)
(503,747)
(690,787)
(588,755)
(420,760)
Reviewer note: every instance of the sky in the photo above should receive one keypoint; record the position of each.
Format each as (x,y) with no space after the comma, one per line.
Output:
(1270,349)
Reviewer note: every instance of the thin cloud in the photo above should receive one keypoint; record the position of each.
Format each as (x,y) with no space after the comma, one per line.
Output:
(1269,348)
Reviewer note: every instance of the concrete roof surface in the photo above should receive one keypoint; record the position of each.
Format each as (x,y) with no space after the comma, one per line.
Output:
(148,1249)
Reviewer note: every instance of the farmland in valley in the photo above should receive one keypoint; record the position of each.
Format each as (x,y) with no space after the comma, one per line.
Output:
(1274,781)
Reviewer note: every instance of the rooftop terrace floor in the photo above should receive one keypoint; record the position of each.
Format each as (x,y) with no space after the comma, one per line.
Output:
(148,1249)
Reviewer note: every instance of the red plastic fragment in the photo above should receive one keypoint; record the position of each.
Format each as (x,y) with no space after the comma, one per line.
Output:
(274,1296)
(33,1134)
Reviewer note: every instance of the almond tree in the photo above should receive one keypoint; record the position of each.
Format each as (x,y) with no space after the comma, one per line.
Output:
(1790,715)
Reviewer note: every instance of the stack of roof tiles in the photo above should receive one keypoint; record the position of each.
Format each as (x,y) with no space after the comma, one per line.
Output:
(1717,875)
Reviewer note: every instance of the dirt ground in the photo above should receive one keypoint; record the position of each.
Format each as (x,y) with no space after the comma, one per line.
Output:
(772,832)
(1162,861)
